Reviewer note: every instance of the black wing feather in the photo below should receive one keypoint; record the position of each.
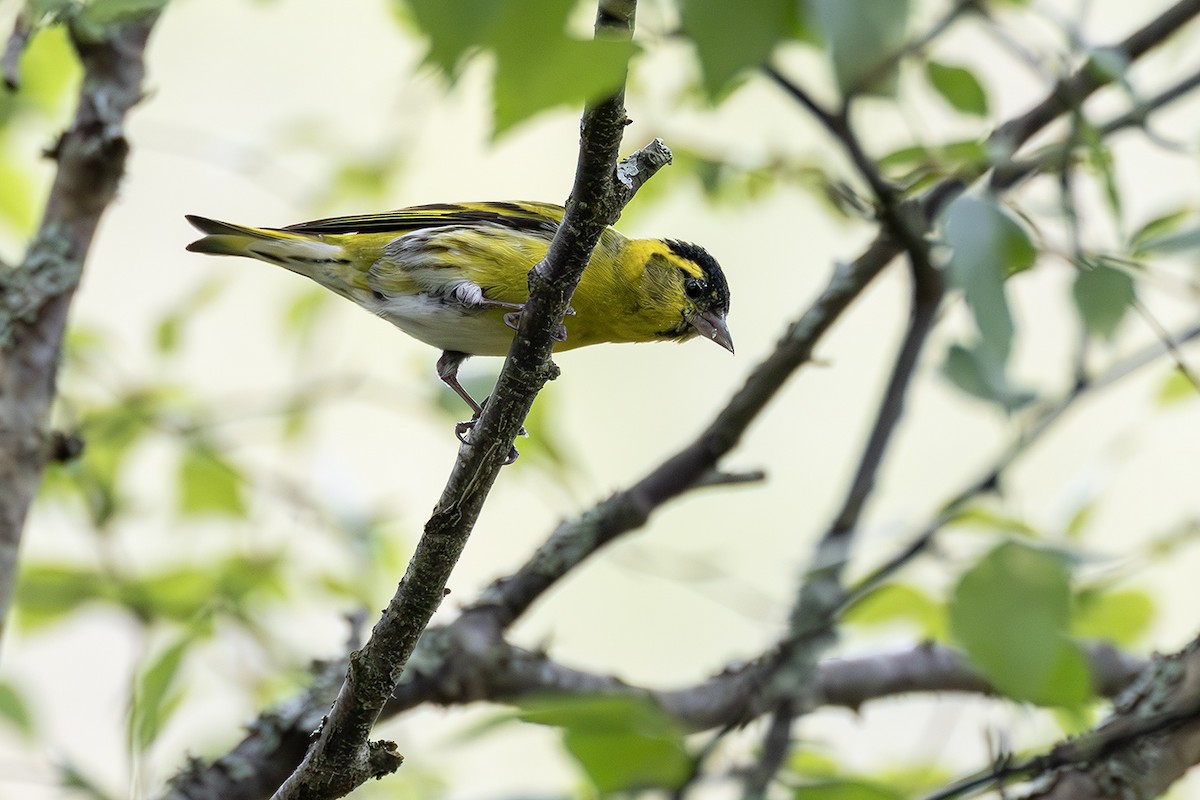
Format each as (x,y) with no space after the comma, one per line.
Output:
(537,218)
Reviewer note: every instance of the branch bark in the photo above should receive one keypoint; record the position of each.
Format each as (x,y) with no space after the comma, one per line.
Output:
(1149,741)
(343,757)
(91,157)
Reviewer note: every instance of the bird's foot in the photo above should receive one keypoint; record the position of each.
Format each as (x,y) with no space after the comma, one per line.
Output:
(462,431)
(513,320)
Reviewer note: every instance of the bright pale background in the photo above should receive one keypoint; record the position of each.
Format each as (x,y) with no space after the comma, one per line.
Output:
(710,579)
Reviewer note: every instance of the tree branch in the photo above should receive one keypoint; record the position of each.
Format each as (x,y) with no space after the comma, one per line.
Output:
(13,49)
(37,294)
(1149,741)
(343,757)
(1070,92)
(467,668)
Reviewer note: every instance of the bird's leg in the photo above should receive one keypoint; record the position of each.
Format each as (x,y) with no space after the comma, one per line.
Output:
(447,370)
(485,303)
(471,295)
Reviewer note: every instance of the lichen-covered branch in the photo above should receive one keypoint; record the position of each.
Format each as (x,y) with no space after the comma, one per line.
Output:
(465,667)
(37,293)
(1148,742)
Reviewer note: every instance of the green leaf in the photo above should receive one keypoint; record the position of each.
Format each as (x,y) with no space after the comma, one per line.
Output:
(978,372)
(958,86)
(846,789)
(48,592)
(1177,387)
(1167,244)
(14,710)
(455,28)
(987,246)
(622,743)
(1121,617)
(186,594)
(732,37)
(564,71)
(993,521)
(208,484)
(48,8)
(50,71)
(107,12)
(811,764)
(1101,159)
(917,166)
(1011,612)
(167,334)
(1158,227)
(969,154)
(19,208)
(155,695)
(559,69)
(1102,295)
(864,38)
(896,602)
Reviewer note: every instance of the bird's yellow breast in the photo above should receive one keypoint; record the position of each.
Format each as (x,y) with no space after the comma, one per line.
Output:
(615,300)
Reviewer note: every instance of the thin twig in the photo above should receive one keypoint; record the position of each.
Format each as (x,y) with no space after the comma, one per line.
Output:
(990,479)
(14,48)
(771,758)
(1170,345)
(1052,157)
(1070,92)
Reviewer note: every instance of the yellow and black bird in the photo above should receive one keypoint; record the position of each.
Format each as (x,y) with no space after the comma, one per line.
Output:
(455,275)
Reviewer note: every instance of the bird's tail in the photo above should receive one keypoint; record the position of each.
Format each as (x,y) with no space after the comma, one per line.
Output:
(296,251)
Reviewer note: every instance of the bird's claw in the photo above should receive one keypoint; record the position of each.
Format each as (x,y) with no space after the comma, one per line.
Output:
(513,320)
(462,431)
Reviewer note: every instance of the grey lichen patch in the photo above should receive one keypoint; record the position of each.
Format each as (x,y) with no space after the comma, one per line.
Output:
(51,267)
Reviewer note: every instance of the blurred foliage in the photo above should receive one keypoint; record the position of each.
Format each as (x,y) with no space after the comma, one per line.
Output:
(621,743)
(893,603)
(812,775)
(50,74)
(562,68)
(1011,613)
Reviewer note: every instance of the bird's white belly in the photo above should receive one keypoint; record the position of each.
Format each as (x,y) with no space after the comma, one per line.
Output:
(447,324)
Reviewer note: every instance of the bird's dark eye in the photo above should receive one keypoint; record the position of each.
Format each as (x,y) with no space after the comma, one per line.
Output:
(694,288)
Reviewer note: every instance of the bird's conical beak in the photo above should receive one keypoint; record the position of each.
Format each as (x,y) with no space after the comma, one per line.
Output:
(711,325)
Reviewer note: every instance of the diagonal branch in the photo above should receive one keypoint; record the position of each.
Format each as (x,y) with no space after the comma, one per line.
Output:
(342,756)
(1070,92)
